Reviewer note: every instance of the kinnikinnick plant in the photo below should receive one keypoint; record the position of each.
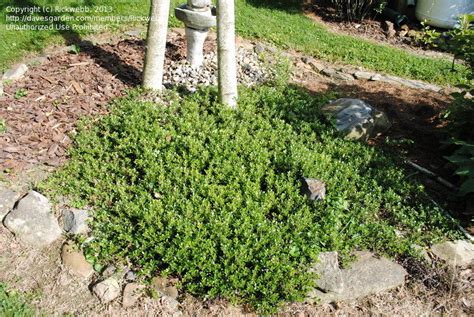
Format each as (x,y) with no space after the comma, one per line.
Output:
(212,196)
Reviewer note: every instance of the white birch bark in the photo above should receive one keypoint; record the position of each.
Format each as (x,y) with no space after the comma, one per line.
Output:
(227,65)
(156,44)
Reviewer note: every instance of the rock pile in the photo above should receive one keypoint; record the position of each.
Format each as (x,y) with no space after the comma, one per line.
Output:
(250,70)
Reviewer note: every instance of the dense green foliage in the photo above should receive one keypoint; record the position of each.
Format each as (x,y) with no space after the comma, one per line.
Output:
(212,195)
(12,305)
(279,22)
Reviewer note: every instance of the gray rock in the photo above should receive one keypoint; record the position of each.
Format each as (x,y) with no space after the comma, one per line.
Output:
(259,48)
(410,83)
(109,271)
(74,260)
(8,199)
(314,188)
(131,294)
(376,77)
(455,253)
(16,72)
(107,290)
(368,275)
(1,89)
(330,275)
(330,72)
(32,222)
(356,119)
(76,221)
(130,276)
(363,75)
(316,66)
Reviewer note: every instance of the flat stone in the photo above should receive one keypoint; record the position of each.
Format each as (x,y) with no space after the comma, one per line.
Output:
(130,276)
(163,286)
(107,290)
(368,275)
(316,66)
(363,75)
(76,221)
(455,253)
(16,72)
(330,275)
(32,221)
(131,294)
(314,188)
(330,72)
(8,199)
(75,261)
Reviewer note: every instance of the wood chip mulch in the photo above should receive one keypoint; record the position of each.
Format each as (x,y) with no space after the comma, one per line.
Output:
(64,89)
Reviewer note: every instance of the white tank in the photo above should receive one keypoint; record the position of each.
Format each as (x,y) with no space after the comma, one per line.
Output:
(443,13)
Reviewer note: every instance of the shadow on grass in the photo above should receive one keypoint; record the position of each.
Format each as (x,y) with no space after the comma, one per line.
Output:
(292,6)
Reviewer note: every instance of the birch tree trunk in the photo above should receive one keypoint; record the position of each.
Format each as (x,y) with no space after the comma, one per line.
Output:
(227,65)
(156,44)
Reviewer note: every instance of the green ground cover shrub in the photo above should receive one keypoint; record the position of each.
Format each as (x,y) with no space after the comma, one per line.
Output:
(212,196)
(12,304)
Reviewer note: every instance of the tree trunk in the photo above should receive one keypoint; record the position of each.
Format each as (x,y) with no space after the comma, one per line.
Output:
(227,64)
(156,44)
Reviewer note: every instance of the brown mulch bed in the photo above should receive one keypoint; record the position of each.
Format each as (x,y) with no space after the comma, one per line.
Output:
(65,88)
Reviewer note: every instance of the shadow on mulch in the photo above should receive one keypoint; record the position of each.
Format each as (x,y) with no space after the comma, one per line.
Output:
(65,88)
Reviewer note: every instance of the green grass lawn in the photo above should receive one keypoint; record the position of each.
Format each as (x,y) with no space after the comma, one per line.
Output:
(260,19)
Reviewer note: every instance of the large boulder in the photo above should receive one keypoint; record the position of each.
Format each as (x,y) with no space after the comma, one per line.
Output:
(367,275)
(32,221)
(356,119)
